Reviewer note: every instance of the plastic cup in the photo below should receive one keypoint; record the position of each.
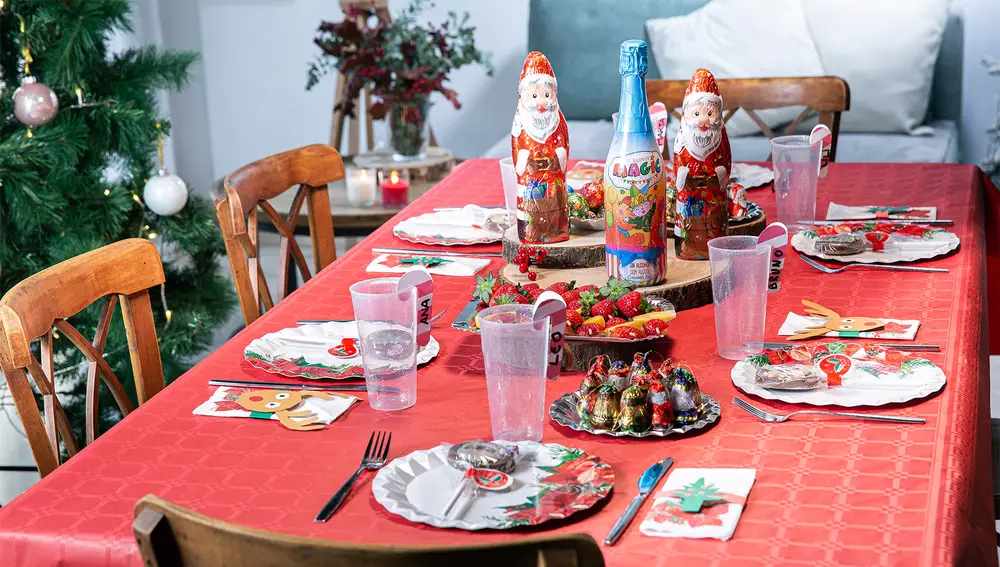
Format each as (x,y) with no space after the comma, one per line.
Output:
(739,293)
(516,362)
(796,172)
(509,178)
(387,325)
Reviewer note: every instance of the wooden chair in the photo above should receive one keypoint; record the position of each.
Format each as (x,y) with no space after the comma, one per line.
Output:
(247,189)
(829,96)
(172,536)
(124,271)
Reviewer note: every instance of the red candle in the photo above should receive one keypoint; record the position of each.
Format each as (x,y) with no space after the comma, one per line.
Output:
(395,190)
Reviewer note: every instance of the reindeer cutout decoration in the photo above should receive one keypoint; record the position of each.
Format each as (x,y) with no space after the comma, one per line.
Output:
(834,322)
(281,403)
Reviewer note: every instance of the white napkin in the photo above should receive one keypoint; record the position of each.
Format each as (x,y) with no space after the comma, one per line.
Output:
(895,328)
(223,404)
(458,266)
(864,212)
(665,518)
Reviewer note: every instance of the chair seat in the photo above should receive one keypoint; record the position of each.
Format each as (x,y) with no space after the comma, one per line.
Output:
(590,140)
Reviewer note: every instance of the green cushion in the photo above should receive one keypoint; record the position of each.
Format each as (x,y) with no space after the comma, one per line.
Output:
(581,40)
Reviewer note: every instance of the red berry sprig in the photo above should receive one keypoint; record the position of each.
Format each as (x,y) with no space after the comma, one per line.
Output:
(527,255)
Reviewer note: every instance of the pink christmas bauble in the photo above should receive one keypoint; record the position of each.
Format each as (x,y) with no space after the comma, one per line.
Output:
(35,103)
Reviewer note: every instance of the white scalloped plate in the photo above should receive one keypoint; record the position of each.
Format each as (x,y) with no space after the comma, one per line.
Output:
(273,354)
(444,228)
(945,242)
(751,176)
(885,389)
(550,482)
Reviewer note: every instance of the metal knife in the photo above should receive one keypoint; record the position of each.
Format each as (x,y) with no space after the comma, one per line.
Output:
(897,346)
(647,482)
(892,221)
(284,386)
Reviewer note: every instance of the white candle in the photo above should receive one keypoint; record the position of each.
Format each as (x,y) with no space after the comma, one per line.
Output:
(361,186)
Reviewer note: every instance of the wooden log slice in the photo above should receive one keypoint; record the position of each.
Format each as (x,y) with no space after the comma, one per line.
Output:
(688,285)
(752,226)
(584,352)
(583,250)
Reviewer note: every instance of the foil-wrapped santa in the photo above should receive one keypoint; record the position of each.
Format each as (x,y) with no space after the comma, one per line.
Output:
(702,163)
(539,142)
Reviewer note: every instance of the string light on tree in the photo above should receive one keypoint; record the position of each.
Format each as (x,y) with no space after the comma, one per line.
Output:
(35,104)
(165,193)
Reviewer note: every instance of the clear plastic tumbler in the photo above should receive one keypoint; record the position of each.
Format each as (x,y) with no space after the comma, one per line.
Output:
(796,173)
(387,324)
(509,178)
(739,293)
(516,362)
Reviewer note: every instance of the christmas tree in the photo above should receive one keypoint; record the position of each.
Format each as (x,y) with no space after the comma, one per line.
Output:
(74,180)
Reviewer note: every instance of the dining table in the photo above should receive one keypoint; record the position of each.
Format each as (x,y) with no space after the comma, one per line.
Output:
(828,491)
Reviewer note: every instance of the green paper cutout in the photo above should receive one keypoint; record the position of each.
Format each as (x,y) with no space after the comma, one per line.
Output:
(696,495)
(429,261)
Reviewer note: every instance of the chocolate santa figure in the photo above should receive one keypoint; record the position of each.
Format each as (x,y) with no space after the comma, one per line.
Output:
(539,142)
(659,401)
(703,163)
(737,201)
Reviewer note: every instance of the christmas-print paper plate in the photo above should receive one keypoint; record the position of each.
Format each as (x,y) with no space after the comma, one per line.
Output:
(550,482)
(907,242)
(563,411)
(452,227)
(328,350)
(750,176)
(868,375)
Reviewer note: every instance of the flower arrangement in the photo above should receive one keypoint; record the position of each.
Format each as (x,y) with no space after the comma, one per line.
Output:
(401,62)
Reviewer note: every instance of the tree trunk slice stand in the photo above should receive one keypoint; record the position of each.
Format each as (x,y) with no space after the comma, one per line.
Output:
(582,259)
(432,167)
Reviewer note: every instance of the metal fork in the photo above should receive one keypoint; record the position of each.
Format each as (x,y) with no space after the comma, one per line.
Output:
(372,460)
(830,270)
(775,418)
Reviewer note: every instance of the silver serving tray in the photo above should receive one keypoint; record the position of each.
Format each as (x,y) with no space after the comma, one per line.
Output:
(563,411)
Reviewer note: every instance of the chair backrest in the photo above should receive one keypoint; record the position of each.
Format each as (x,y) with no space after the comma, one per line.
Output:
(828,96)
(31,309)
(172,536)
(247,189)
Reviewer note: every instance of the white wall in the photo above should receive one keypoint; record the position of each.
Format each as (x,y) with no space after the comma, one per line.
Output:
(979,90)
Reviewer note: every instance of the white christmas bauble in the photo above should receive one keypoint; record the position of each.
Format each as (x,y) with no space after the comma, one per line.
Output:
(165,193)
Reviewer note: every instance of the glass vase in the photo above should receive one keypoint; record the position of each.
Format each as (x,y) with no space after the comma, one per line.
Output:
(408,128)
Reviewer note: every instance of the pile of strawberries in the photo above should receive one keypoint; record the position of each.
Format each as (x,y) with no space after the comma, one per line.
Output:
(614,310)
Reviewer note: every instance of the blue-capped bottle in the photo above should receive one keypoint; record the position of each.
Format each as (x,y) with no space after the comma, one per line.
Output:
(634,181)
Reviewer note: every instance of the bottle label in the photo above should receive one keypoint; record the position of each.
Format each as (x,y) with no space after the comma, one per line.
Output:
(635,197)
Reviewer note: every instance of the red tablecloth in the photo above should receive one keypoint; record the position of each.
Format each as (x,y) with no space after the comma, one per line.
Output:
(827,492)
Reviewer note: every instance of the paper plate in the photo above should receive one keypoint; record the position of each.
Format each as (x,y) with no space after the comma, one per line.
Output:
(750,176)
(867,383)
(279,353)
(444,228)
(551,482)
(935,242)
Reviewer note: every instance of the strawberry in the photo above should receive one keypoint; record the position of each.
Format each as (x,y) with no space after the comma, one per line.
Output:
(615,288)
(528,287)
(615,321)
(632,304)
(574,305)
(587,300)
(571,295)
(589,287)
(573,318)
(505,289)
(627,332)
(655,327)
(590,330)
(484,287)
(605,308)
(507,299)
(534,293)
(561,287)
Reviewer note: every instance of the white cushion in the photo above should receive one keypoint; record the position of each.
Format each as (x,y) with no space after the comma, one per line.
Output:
(885,50)
(738,39)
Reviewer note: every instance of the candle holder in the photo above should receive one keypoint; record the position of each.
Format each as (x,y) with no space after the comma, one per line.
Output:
(395,187)
(361,186)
